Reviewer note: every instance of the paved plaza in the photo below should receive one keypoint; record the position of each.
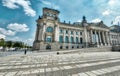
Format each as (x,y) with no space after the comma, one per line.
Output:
(51,64)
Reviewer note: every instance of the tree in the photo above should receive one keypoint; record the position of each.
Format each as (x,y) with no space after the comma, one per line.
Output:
(9,44)
(2,42)
(17,44)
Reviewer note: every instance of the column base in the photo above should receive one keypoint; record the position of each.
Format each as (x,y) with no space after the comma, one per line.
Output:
(108,44)
(101,44)
(105,44)
(98,45)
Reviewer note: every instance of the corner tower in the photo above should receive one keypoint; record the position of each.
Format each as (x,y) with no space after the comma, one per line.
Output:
(47,33)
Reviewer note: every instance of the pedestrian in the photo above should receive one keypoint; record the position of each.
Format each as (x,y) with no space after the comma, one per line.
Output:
(25,51)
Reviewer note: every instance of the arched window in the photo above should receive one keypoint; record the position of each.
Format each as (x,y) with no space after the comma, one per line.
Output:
(66,39)
(48,47)
(76,39)
(60,39)
(72,39)
(49,39)
(81,40)
(49,29)
(61,31)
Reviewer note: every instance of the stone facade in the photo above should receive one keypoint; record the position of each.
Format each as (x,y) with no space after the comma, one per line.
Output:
(51,34)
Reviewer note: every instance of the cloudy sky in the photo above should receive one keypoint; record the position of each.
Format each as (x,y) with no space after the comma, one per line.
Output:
(17,17)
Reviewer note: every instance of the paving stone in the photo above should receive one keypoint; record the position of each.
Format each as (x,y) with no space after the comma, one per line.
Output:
(74,75)
(90,74)
(55,69)
(67,64)
(10,73)
(41,70)
(101,71)
(96,72)
(83,74)
(26,72)
(19,72)
(67,67)
(48,69)
(2,73)
(35,71)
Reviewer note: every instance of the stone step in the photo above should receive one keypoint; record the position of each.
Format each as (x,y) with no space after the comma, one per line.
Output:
(96,49)
(100,72)
(25,67)
(65,69)
(80,59)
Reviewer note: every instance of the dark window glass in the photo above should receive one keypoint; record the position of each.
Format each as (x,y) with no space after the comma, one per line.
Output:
(76,39)
(81,40)
(66,31)
(76,33)
(60,39)
(49,29)
(72,39)
(61,31)
(80,33)
(71,32)
(66,39)
(48,39)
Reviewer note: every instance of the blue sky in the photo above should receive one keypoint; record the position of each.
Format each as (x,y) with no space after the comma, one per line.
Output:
(17,17)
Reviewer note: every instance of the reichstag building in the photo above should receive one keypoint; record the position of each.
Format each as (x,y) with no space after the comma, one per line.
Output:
(51,34)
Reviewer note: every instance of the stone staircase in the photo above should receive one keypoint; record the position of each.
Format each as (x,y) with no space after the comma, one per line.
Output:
(88,50)
(80,64)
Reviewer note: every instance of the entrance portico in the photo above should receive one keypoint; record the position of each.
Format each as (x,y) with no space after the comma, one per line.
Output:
(99,36)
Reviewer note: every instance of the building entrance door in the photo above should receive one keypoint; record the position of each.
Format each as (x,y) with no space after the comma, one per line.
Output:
(48,47)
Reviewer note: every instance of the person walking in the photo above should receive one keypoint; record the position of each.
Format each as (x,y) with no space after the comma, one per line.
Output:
(25,51)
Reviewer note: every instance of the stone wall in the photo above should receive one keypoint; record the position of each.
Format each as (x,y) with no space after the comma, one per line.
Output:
(116,48)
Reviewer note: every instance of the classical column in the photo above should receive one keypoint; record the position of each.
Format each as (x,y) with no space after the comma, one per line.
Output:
(74,35)
(96,38)
(85,36)
(43,32)
(103,34)
(91,35)
(64,36)
(78,38)
(100,38)
(69,36)
(37,33)
(108,39)
(56,37)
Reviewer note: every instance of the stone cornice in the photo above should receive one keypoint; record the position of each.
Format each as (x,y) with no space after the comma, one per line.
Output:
(71,27)
(98,28)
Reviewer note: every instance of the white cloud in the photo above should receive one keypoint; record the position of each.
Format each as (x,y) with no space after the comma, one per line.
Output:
(13,4)
(29,41)
(7,32)
(18,27)
(46,3)
(111,2)
(106,13)
(79,20)
(2,36)
(96,20)
(117,19)
(14,38)
(50,4)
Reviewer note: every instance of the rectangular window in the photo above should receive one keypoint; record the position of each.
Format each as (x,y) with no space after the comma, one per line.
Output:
(80,33)
(71,32)
(76,33)
(66,31)
(60,39)
(61,31)
(48,39)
